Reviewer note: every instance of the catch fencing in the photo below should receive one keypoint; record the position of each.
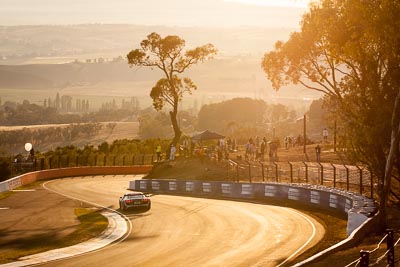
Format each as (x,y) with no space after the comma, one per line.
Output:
(350,178)
(381,255)
(66,161)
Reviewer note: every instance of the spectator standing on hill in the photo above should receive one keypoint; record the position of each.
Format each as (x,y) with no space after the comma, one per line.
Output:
(172,153)
(201,154)
(229,144)
(325,135)
(318,153)
(262,148)
(158,152)
(273,151)
(257,143)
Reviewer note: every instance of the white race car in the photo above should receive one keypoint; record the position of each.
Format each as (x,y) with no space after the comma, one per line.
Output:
(135,200)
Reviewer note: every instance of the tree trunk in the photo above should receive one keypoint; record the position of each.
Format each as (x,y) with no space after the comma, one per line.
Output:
(173,114)
(390,160)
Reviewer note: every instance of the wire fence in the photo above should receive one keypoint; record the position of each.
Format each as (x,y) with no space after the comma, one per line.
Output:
(350,178)
(380,255)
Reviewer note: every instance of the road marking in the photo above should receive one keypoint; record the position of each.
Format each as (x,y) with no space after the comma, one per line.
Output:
(4,208)
(23,190)
(314,231)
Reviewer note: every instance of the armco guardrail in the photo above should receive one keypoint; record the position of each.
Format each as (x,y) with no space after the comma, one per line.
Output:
(69,172)
(361,210)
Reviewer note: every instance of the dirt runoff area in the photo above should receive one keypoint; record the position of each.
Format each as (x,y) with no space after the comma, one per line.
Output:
(34,219)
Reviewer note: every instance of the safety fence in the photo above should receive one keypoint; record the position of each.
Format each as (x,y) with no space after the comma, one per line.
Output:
(380,256)
(65,161)
(350,178)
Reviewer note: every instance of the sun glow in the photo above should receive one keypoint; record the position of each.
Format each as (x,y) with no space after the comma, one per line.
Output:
(274,3)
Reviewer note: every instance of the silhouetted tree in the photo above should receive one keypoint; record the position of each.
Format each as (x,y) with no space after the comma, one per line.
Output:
(168,55)
(350,51)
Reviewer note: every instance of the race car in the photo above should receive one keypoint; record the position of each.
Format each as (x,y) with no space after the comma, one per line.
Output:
(135,200)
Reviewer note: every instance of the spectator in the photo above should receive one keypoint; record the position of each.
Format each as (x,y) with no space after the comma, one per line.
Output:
(318,153)
(158,152)
(172,153)
(325,135)
(262,149)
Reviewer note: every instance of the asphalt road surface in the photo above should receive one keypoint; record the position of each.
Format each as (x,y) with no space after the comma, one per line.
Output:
(186,231)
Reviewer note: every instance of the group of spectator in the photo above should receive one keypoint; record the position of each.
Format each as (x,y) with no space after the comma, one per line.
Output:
(255,149)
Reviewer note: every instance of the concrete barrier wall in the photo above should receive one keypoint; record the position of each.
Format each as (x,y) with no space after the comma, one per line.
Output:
(361,211)
(69,172)
(358,208)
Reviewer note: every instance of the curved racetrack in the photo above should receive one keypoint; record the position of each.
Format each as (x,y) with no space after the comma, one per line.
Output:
(185,231)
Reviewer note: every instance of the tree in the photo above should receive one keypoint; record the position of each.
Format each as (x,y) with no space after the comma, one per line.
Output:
(350,51)
(243,111)
(168,55)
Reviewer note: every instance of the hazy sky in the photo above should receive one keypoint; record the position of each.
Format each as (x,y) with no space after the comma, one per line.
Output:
(225,13)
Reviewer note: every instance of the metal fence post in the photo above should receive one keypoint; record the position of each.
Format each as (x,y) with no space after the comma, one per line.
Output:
(262,171)
(390,247)
(322,173)
(76,161)
(364,258)
(276,172)
(123,160)
(249,171)
(306,166)
(347,178)
(143,159)
(291,171)
(133,160)
(237,172)
(95,160)
(334,176)
(59,162)
(372,183)
(361,179)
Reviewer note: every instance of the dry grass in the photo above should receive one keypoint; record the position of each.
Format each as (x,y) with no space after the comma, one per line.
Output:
(92,223)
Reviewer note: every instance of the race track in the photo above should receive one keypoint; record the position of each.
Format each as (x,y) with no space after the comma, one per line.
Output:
(185,231)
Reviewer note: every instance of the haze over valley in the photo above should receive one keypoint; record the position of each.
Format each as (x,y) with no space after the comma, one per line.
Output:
(89,61)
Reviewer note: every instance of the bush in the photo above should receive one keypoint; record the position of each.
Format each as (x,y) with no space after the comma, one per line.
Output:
(5,168)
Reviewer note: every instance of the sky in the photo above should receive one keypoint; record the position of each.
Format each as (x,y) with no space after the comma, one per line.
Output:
(184,13)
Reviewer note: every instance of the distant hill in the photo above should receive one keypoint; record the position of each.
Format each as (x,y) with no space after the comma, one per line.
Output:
(88,61)
(20,44)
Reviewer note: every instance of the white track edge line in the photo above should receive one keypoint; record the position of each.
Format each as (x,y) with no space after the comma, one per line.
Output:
(98,205)
(306,243)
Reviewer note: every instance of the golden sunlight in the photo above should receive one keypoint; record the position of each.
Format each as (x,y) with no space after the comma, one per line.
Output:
(280,3)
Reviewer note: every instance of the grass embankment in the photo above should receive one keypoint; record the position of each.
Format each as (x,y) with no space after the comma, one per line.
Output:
(92,223)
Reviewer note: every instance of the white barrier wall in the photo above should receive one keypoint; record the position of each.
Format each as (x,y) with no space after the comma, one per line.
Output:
(358,208)
(10,184)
